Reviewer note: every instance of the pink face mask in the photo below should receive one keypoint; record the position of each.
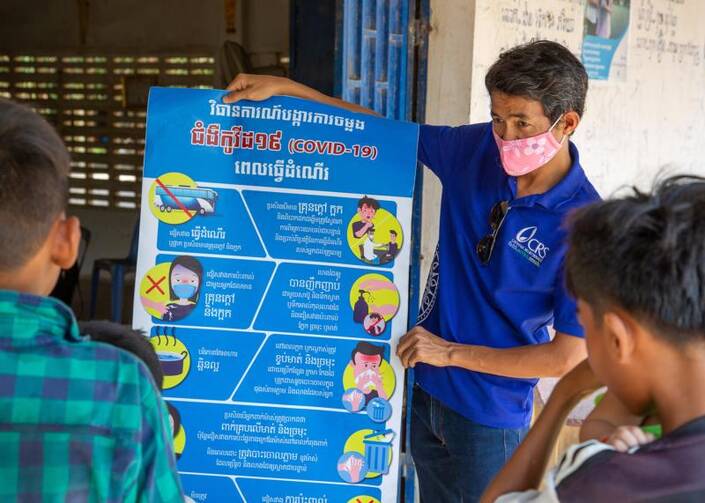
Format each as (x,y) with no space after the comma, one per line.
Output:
(525,155)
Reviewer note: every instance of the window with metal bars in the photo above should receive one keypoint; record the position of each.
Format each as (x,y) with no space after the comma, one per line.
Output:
(86,97)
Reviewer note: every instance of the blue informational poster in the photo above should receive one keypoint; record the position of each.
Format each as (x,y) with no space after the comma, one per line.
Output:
(272,281)
(606,39)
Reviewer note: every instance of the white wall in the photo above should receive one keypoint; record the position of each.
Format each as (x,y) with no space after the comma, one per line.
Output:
(631,129)
(448,97)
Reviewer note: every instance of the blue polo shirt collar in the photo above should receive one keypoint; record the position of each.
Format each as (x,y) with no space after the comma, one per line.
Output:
(560,193)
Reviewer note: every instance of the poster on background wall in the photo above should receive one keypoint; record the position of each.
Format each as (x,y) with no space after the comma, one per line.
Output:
(606,39)
(272,281)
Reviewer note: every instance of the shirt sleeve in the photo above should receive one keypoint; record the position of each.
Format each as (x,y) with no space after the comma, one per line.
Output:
(565,309)
(443,148)
(574,459)
(158,479)
(547,495)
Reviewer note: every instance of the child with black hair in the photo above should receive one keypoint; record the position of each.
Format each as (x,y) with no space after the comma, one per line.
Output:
(392,247)
(637,267)
(133,341)
(366,209)
(366,361)
(81,420)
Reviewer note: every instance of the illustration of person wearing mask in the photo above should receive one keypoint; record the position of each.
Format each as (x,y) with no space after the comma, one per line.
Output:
(185,274)
(184,286)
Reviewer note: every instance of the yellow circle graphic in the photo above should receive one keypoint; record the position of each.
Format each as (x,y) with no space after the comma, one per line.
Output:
(154,290)
(180,442)
(169,291)
(356,443)
(363,498)
(386,376)
(177,429)
(174,359)
(171,198)
(374,293)
(374,234)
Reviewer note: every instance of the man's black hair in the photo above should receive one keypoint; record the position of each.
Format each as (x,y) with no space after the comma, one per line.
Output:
(367,349)
(645,253)
(34,170)
(544,71)
(369,201)
(124,338)
(393,232)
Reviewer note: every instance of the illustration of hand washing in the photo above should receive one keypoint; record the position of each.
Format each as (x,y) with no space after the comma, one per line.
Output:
(375,301)
(367,454)
(352,467)
(353,400)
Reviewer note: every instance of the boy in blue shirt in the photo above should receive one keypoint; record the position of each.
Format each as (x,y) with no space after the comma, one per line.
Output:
(496,282)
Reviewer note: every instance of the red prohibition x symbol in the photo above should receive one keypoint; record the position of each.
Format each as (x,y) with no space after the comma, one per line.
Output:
(155,284)
(173,197)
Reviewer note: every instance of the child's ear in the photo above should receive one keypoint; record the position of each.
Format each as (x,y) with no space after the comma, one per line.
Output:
(620,333)
(67,239)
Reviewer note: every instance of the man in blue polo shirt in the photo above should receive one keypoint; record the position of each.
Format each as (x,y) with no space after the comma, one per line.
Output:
(496,282)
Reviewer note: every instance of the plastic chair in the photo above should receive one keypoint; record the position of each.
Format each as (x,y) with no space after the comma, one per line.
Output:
(118,269)
(68,281)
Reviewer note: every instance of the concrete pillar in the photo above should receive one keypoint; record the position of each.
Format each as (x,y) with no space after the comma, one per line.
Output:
(450,47)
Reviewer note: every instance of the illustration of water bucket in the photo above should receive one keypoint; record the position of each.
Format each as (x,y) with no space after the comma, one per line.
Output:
(377,451)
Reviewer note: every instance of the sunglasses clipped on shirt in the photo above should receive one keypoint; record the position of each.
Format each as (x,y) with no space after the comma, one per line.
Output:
(485,246)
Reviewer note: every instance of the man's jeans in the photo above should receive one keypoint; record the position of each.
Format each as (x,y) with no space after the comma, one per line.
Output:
(455,458)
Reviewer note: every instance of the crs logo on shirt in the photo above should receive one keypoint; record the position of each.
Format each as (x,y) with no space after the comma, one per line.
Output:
(528,245)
